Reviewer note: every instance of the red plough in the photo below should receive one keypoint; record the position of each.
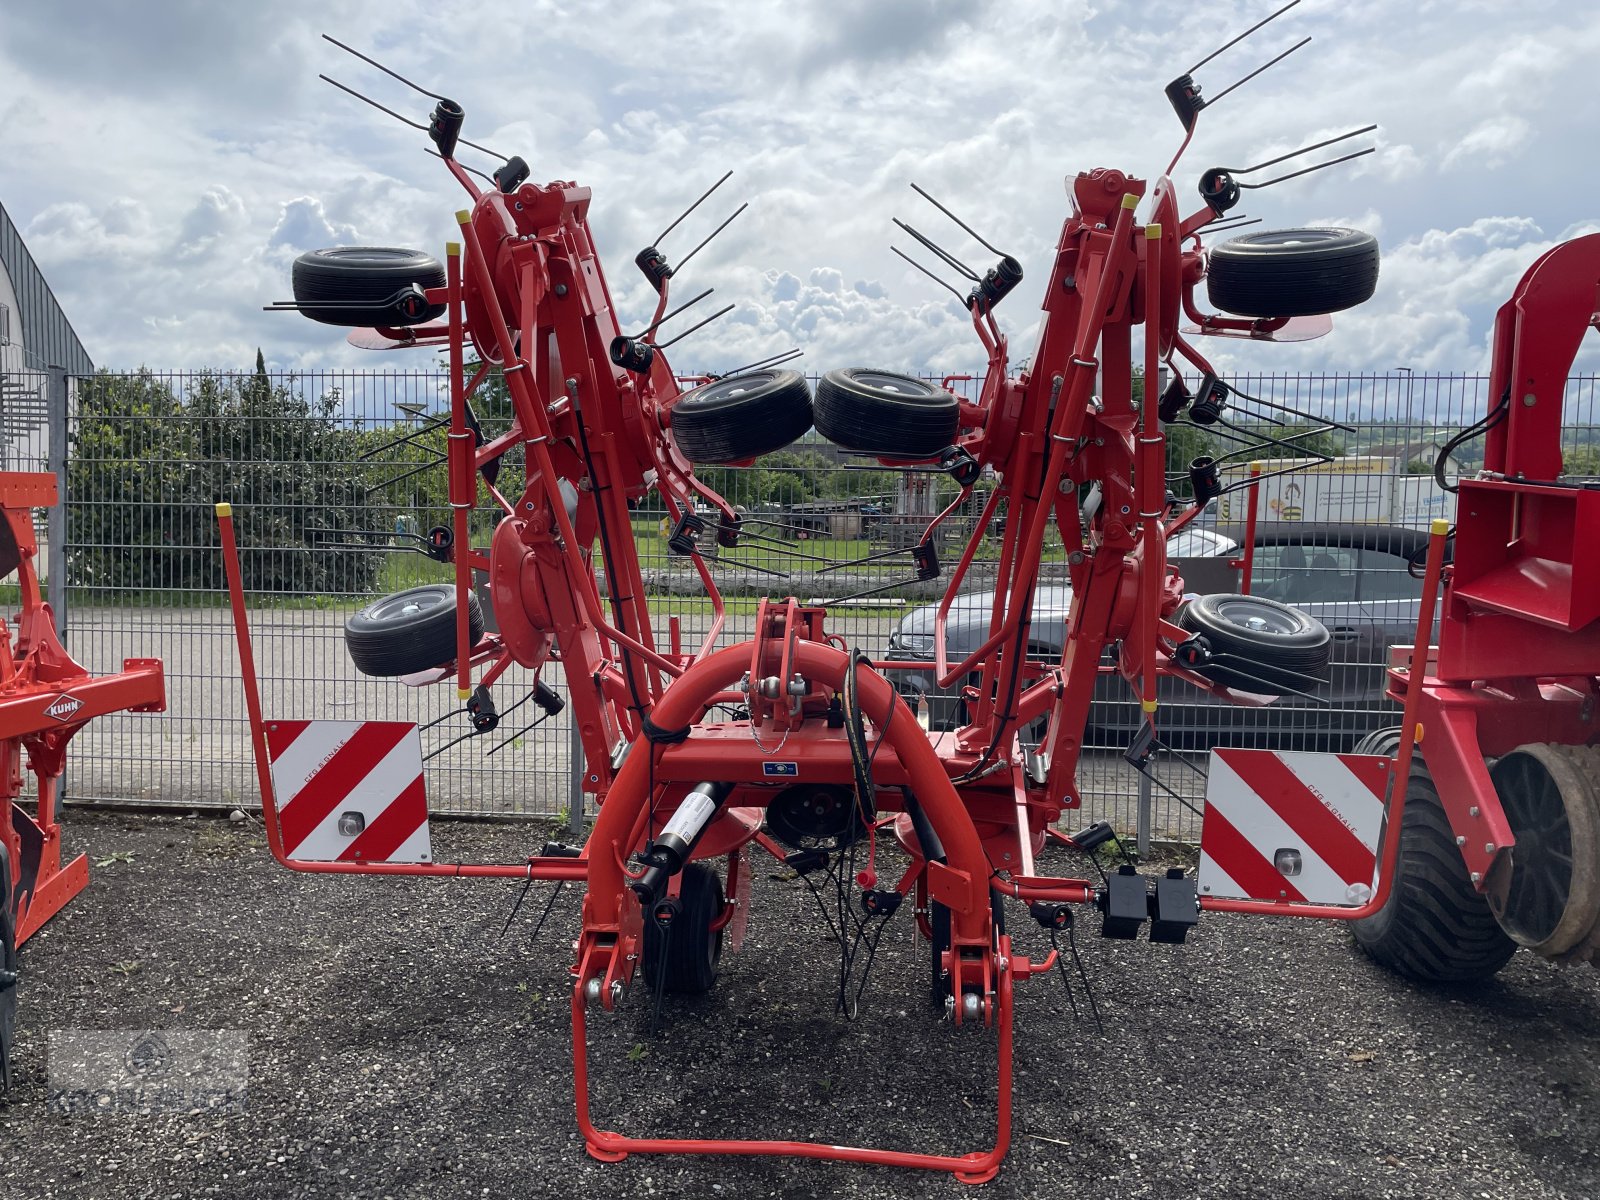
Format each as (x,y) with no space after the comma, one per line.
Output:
(45,698)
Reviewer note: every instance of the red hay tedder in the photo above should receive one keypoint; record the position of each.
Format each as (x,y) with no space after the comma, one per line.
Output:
(1443,875)
(45,698)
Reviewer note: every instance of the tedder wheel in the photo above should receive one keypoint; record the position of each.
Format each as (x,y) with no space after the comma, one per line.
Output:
(1547,892)
(1293,272)
(366,285)
(1435,928)
(742,417)
(690,955)
(1267,644)
(880,412)
(8,970)
(409,631)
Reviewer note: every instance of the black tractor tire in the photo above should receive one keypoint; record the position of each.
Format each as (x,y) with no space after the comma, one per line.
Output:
(1435,928)
(1278,645)
(8,969)
(742,417)
(357,285)
(690,956)
(1293,272)
(884,413)
(409,631)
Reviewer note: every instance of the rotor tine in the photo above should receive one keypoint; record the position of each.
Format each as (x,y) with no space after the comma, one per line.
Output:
(374,62)
(721,312)
(1241,37)
(692,207)
(978,237)
(950,260)
(374,103)
(1332,162)
(1272,162)
(686,304)
(1272,62)
(709,236)
(772,360)
(471,170)
(929,273)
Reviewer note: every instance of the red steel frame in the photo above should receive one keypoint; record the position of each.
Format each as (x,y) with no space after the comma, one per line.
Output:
(45,698)
(1518,652)
(525,288)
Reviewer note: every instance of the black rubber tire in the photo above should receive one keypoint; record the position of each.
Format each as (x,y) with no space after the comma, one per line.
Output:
(742,417)
(884,413)
(694,950)
(357,284)
(409,631)
(1293,272)
(1380,741)
(8,963)
(1434,928)
(1289,645)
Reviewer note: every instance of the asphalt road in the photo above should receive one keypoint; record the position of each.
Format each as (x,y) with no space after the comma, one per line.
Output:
(398,1046)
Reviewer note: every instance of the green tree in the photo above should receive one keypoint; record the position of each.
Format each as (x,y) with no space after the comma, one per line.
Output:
(149,463)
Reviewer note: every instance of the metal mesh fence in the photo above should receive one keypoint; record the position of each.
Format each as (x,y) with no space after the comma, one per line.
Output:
(333,476)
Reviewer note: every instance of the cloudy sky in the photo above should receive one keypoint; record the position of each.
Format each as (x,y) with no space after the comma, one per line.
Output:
(167,160)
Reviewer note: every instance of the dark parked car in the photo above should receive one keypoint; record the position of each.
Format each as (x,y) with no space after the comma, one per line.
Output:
(1354,579)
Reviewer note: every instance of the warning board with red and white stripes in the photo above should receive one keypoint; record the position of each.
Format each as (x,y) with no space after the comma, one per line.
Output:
(1292,825)
(349,791)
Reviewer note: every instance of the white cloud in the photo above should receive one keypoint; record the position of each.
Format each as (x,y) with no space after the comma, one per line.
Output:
(219,156)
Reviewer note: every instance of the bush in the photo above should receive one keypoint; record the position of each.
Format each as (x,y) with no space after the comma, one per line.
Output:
(148,464)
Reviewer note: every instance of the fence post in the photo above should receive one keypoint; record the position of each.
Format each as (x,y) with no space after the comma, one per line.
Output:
(56,520)
(575,801)
(1142,829)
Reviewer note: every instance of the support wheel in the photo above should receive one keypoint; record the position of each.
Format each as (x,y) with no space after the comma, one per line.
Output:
(1293,272)
(1435,927)
(883,413)
(742,417)
(410,631)
(1266,645)
(1546,892)
(366,285)
(8,970)
(691,954)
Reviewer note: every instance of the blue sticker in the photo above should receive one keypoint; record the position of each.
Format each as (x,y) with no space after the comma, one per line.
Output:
(780,768)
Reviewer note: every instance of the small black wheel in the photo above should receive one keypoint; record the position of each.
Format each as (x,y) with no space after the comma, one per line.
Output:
(742,417)
(366,285)
(1267,645)
(409,631)
(1293,272)
(883,413)
(8,969)
(1435,928)
(691,953)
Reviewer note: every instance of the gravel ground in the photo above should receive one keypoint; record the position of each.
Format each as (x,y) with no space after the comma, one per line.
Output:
(400,1047)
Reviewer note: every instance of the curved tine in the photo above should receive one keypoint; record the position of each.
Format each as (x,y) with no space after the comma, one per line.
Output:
(1241,37)
(929,273)
(374,62)
(473,170)
(950,260)
(374,103)
(1272,162)
(978,237)
(1332,162)
(1271,62)
(691,208)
